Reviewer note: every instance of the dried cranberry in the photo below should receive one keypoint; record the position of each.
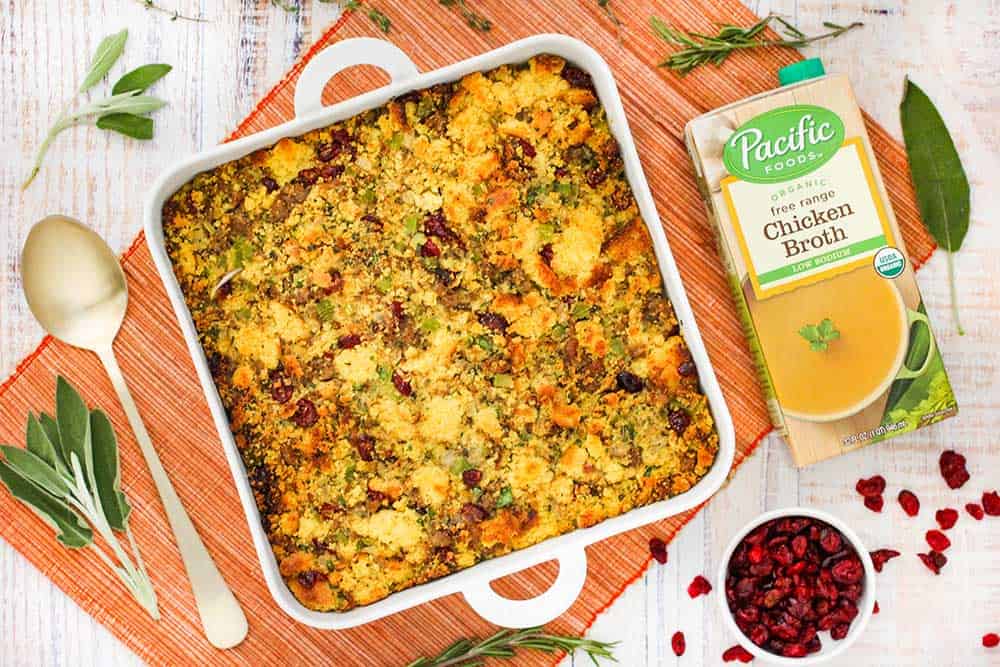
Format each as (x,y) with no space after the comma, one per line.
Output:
(934,561)
(326,152)
(471,477)
(876,609)
(336,282)
(396,307)
(871,487)
(269,183)
(577,78)
(546,254)
(881,556)
(596,176)
(679,420)
(373,220)
(330,172)
(430,249)
(402,385)
(658,549)
(629,382)
(308,176)
(699,586)
(975,511)
(473,513)
(376,497)
(737,653)
(946,518)
(991,503)
(937,540)
(839,631)
(799,545)
(909,502)
(847,571)
(224,290)
(493,321)
(526,148)
(309,578)
(305,413)
(349,341)
(794,651)
(829,540)
(874,503)
(281,387)
(953,469)
(687,368)
(991,640)
(678,644)
(365,444)
(436,225)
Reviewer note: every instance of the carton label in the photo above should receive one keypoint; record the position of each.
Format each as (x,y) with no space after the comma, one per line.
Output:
(809,227)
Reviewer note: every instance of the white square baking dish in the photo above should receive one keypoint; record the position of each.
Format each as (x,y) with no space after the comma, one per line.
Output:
(568,549)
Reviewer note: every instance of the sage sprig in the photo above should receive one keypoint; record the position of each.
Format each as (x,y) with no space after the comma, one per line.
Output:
(939,179)
(504,644)
(701,49)
(124,111)
(69,476)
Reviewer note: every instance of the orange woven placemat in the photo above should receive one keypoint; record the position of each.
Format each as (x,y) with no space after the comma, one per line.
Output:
(154,357)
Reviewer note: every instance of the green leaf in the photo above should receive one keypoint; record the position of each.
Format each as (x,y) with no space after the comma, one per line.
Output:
(133,104)
(939,179)
(325,310)
(73,418)
(70,528)
(107,472)
(810,332)
(40,444)
(141,78)
(137,127)
(506,497)
(107,54)
(51,429)
(34,469)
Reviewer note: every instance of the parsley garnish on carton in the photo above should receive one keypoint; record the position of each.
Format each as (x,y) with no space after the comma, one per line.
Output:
(820,335)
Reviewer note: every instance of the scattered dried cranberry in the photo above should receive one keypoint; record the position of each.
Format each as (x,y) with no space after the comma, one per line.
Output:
(281,387)
(937,540)
(430,249)
(881,556)
(909,502)
(349,341)
(829,540)
(596,176)
(331,172)
(678,644)
(336,282)
(269,183)
(373,220)
(991,503)
(975,511)
(526,148)
(871,487)
(658,549)
(874,503)
(473,513)
(577,78)
(839,631)
(326,152)
(493,321)
(699,586)
(847,571)
(309,578)
(875,609)
(436,225)
(308,176)
(305,413)
(375,496)
(934,561)
(737,653)
(953,469)
(946,518)
(991,640)
(471,477)
(365,444)
(679,420)
(629,382)
(402,385)
(546,254)
(686,368)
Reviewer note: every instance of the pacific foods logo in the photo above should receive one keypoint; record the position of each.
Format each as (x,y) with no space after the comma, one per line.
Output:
(783,144)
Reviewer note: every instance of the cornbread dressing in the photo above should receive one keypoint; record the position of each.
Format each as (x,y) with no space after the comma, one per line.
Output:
(439,331)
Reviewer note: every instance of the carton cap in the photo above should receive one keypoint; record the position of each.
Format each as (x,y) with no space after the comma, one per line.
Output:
(800,71)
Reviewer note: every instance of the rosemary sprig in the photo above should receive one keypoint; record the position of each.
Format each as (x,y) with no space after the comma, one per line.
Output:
(700,49)
(474,19)
(504,644)
(172,13)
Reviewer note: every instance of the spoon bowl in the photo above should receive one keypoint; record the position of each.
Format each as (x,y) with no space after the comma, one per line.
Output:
(73,283)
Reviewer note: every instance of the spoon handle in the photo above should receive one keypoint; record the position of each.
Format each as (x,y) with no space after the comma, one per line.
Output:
(222,618)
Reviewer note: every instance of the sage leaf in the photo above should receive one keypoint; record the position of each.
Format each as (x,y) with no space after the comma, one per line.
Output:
(107,54)
(140,78)
(51,429)
(107,472)
(939,179)
(70,528)
(39,443)
(36,470)
(125,103)
(129,124)
(73,418)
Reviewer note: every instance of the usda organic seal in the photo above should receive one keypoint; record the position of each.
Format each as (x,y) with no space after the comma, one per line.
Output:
(889,262)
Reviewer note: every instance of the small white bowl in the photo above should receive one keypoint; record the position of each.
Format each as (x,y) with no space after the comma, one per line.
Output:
(831,648)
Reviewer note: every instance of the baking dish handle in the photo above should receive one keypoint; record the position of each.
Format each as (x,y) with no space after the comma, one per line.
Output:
(338,57)
(537,610)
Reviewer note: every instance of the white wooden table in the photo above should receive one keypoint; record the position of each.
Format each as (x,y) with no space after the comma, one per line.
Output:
(951,48)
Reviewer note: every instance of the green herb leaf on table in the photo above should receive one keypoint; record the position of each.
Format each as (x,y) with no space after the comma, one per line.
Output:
(69,476)
(140,78)
(820,335)
(505,644)
(123,111)
(701,49)
(939,179)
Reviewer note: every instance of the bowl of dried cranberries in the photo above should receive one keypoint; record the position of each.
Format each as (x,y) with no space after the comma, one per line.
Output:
(797,586)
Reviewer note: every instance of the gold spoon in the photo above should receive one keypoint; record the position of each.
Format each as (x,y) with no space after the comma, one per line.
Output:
(76,289)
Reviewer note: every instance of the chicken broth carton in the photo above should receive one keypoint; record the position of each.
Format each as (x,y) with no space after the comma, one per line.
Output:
(818,267)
